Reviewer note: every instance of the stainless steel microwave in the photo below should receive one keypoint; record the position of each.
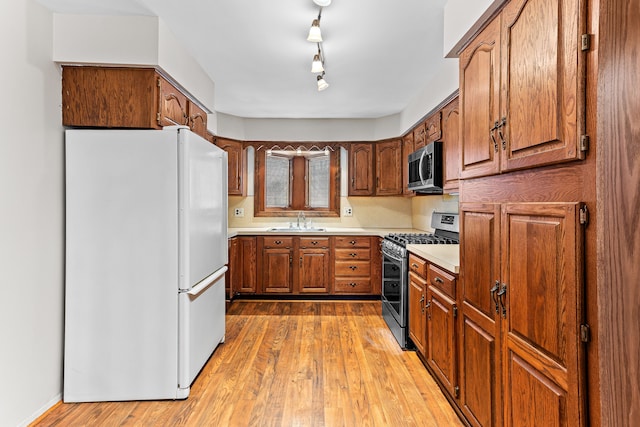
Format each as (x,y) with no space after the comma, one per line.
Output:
(425,169)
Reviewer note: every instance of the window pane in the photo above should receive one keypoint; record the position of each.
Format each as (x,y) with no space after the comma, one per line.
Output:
(318,182)
(277,182)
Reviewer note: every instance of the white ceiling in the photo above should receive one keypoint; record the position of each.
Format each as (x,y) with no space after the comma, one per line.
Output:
(379,54)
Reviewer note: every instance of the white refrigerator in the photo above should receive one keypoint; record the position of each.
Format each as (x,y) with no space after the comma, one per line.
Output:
(146,253)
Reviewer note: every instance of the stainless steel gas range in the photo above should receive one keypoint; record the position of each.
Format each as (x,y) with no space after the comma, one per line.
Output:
(395,271)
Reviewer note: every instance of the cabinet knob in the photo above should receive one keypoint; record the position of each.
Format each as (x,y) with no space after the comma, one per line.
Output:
(353,285)
(438,280)
(353,255)
(353,242)
(314,243)
(353,267)
(278,242)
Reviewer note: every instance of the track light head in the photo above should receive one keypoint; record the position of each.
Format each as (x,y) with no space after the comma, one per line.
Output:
(315,35)
(322,84)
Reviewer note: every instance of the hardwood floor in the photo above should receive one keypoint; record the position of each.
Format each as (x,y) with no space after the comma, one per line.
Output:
(291,363)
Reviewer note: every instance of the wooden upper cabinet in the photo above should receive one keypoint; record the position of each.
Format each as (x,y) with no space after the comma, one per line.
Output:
(110,97)
(419,136)
(407,148)
(433,127)
(389,168)
(117,97)
(236,165)
(480,102)
(361,171)
(520,89)
(197,119)
(173,105)
(541,68)
(451,143)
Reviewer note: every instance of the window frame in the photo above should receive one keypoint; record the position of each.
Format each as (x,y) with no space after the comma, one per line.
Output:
(298,201)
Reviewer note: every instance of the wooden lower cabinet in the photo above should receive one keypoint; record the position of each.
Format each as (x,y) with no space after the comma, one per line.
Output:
(314,265)
(417,313)
(275,264)
(441,330)
(521,358)
(304,265)
(357,265)
(241,277)
(433,314)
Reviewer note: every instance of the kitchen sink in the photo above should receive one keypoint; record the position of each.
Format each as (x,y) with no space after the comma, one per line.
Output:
(297,229)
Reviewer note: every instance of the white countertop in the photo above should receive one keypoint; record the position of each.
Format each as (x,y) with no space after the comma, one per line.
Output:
(444,256)
(330,231)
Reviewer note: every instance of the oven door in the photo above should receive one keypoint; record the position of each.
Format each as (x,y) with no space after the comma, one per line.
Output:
(394,287)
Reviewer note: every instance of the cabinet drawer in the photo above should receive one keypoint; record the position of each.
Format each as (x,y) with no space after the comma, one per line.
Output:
(418,266)
(353,286)
(353,268)
(353,242)
(314,242)
(442,280)
(278,242)
(354,254)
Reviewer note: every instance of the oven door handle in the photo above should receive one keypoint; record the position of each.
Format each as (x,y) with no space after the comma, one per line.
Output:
(388,255)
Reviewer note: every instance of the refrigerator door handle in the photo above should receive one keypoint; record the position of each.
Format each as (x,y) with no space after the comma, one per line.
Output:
(207,281)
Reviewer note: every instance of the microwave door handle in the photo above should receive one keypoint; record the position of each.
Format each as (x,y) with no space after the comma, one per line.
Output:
(424,153)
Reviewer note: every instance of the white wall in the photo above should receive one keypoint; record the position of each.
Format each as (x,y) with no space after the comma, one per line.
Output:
(129,40)
(460,21)
(31,215)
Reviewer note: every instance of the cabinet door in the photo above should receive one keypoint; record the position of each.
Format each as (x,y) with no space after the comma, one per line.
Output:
(235,159)
(433,128)
(441,347)
(479,103)
(173,105)
(361,170)
(419,136)
(480,379)
(407,148)
(276,270)
(248,280)
(417,315)
(313,270)
(541,78)
(388,168)
(197,119)
(542,311)
(451,144)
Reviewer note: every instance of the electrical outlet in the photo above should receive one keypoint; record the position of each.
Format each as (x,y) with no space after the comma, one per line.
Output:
(238,212)
(348,211)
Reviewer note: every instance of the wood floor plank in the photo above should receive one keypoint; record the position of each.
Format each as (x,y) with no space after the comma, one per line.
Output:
(291,363)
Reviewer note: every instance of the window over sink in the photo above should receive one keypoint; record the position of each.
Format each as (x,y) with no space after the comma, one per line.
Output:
(290,181)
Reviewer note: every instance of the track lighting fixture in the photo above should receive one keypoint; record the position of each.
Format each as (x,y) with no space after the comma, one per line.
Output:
(317,66)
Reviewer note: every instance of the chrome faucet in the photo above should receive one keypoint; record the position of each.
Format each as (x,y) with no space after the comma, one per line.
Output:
(304,219)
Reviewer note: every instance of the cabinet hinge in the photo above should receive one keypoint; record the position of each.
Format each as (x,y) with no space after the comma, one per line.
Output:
(158,117)
(585,42)
(584,215)
(455,311)
(456,392)
(585,333)
(584,143)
